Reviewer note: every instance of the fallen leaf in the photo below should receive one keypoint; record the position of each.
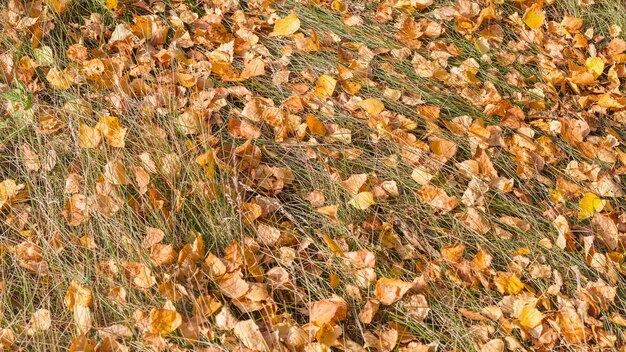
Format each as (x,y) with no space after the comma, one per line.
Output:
(153,236)
(366,315)
(88,137)
(534,16)
(286,26)
(249,334)
(595,65)
(362,200)
(590,204)
(530,317)
(40,320)
(325,86)
(115,173)
(315,125)
(164,321)
(373,106)
(328,311)
(389,291)
(112,131)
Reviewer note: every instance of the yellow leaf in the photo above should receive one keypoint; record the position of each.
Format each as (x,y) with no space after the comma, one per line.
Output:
(530,317)
(112,4)
(59,6)
(325,86)
(59,79)
(508,283)
(595,65)
(372,106)
(112,130)
(362,200)
(286,26)
(534,16)
(590,204)
(88,137)
(333,246)
(421,176)
(606,100)
(164,321)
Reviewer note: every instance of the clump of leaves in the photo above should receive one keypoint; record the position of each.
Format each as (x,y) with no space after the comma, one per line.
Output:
(404,175)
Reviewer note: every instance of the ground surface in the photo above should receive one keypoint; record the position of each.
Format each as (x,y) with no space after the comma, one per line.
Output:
(403,175)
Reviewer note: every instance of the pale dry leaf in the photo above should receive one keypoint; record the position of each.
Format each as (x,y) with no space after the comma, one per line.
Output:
(249,334)
(362,201)
(40,320)
(153,236)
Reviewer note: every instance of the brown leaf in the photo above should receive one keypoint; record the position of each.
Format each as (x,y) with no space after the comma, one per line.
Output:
(416,306)
(253,68)
(139,274)
(31,256)
(495,345)
(77,295)
(267,235)
(572,326)
(163,254)
(437,198)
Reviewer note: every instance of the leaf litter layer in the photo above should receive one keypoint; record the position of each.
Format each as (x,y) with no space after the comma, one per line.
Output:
(403,175)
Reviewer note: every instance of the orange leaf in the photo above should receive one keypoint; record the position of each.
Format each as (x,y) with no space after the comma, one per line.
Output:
(315,125)
(389,291)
